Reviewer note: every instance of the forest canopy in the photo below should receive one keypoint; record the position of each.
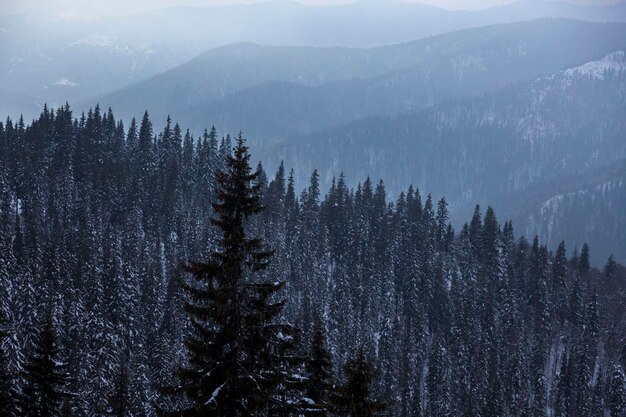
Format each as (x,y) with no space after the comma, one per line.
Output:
(374,295)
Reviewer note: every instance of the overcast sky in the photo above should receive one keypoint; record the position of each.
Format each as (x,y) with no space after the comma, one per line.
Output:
(117,7)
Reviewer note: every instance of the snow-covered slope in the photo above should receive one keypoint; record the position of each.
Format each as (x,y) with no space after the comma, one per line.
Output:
(610,65)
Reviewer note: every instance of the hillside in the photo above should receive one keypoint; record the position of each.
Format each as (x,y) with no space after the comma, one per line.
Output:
(488,150)
(270,92)
(95,226)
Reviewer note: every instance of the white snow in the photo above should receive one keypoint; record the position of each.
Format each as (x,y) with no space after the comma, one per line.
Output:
(214,394)
(65,82)
(614,62)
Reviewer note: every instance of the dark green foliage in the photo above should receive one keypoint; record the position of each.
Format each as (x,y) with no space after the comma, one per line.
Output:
(354,397)
(583,261)
(46,376)
(119,399)
(559,279)
(617,392)
(610,268)
(237,348)
(563,401)
(95,222)
(319,368)
(8,394)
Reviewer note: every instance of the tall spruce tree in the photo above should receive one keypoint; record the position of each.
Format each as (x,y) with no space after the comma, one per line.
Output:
(8,395)
(559,288)
(237,352)
(610,268)
(319,367)
(584,262)
(119,406)
(617,392)
(354,397)
(46,376)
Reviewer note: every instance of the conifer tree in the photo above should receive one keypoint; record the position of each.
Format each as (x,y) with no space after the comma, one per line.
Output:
(437,380)
(611,267)
(45,378)
(575,303)
(119,399)
(354,397)
(583,262)
(8,395)
(319,369)
(471,324)
(564,388)
(237,349)
(617,392)
(558,288)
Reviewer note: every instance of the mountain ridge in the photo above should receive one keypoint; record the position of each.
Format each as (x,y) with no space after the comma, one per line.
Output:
(405,71)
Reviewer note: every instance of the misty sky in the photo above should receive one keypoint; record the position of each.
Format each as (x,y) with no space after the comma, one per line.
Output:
(117,7)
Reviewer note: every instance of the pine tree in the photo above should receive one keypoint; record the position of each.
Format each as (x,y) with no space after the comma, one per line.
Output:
(353,398)
(237,350)
(575,314)
(437,380)
(319,369)
(558,288)
(8,394)
(119,406)
(564,388)
(597,400)
(610,268)
(97,225)
(583,262)
(45,377)
(617,392)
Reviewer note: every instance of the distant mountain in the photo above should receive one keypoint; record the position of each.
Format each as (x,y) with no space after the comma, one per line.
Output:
(591,211)
(554,142)
(73,53)
(272,92)
(13,103)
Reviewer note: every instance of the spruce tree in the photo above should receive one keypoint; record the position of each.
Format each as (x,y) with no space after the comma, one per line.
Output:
(319,369)
(119,406)
(559,288)
(617,392)
(46,376)
(8,395)
(563,388)
(610,268)
(353,398)
(584,262)
(437,380)
(237,352)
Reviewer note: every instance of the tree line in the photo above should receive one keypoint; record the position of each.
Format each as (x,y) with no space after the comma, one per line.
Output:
(153,273)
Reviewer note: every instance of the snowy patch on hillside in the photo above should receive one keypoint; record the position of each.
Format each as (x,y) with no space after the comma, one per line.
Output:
(64,82)
(96,40)
(535,124)
(546,220)
(600,189)
(74,12)
(113,44)
(612,63)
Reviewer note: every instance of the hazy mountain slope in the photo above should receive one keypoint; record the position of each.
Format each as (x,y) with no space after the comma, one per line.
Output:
(590,211)
(487,151)
(273,91)
(13,103)
(72,53)
(57,57)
